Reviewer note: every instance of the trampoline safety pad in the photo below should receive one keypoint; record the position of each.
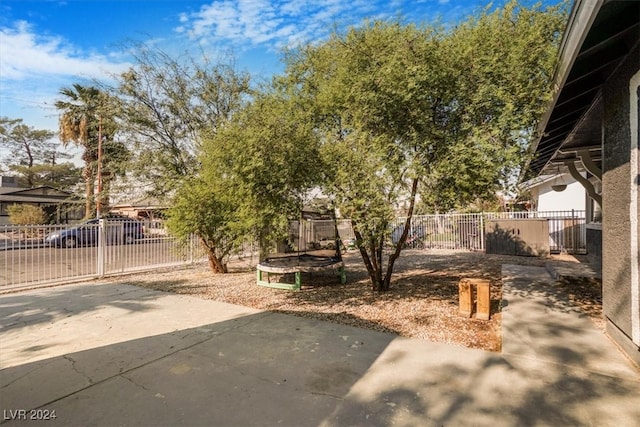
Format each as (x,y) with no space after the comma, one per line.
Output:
(297,265)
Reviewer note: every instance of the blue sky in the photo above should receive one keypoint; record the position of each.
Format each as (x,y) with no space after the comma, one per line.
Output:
(46,45)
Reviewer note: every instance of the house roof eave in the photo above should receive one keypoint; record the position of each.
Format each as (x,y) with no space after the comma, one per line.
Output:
(582,16)
(600,36)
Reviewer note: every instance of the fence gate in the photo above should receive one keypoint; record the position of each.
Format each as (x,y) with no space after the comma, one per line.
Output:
(566,232)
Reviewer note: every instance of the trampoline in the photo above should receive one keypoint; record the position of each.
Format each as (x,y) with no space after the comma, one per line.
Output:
(313,246)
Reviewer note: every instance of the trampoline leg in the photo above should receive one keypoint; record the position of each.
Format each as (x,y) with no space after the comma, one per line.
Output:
(343,275)
(298,280)
(260,281)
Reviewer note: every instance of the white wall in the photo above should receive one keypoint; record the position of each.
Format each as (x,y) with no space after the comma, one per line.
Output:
(573,197)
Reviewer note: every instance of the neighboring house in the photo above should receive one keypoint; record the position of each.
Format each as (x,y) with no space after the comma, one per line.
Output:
(547,193)
(149,211)
(565,200)
(60,206)
(591,130)
(146,208)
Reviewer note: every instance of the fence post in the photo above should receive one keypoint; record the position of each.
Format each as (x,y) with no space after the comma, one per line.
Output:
(122,236)
(101,247)
(481,231)
(574,232)
(191,247)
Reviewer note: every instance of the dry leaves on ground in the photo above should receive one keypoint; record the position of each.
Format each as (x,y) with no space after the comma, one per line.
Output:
(422,302)
(586,293)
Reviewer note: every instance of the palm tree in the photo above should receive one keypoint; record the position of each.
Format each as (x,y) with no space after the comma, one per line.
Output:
(82,119)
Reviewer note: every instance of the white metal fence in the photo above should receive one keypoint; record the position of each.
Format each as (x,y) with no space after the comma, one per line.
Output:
(29,255)
(567,230)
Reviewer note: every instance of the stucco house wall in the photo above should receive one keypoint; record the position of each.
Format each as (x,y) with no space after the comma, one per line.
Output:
(592,125)
(621,280)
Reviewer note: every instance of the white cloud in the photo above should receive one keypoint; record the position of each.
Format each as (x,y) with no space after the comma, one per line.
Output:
(275,23)
(26,54)
(33,68)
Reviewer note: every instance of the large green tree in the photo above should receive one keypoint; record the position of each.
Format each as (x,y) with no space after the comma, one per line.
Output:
(502,65)
(404,111)
(33,155)
(167,104)
(79,125)
(383,108)
(256,170)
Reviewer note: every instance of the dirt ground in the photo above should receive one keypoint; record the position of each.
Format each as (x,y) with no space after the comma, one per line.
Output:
(422,302)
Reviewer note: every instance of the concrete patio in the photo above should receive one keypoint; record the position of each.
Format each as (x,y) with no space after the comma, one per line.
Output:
(109,355)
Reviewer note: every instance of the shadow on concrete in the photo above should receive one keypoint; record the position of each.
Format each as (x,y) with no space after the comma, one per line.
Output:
(47,305)
(261,369)
(274,369)
(345,318)
(264,368)
(481,390)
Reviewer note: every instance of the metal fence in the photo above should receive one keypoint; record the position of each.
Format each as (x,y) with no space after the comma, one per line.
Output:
(29,255)
(32,255)
(567,230)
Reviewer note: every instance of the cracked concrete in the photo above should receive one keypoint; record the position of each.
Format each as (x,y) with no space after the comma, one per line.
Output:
(75,368)
(119,355)
(134,383)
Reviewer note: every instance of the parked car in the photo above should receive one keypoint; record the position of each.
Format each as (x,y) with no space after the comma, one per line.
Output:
(119,230)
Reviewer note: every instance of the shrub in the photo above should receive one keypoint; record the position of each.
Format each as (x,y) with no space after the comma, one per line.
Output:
(26,214)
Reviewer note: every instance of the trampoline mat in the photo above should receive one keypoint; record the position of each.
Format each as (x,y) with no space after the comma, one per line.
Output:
(303,262)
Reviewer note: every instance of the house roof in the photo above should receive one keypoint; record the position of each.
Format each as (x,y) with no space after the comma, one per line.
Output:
(141,204)
(6,190)
(43,194)
(599,36)
(536,181)
(544,178)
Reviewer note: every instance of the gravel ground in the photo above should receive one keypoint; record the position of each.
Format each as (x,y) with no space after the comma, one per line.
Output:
(422,302)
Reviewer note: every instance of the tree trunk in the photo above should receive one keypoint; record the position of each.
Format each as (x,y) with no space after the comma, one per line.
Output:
(374,268)
(29,166)
(88,186)
(216,264)
(373,257)
(403,237)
